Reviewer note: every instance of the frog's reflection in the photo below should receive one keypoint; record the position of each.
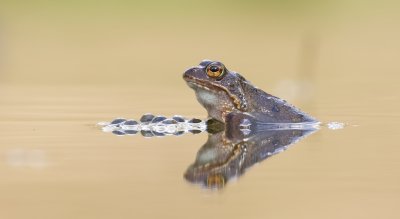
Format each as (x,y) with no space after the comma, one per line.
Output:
(231,147)
(228,153)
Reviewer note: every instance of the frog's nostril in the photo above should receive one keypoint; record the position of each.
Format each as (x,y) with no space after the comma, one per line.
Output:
(189,71)
(192,70)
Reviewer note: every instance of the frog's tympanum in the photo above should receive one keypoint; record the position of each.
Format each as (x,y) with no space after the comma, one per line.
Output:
(223,92)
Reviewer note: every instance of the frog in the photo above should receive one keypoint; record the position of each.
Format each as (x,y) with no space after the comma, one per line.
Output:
(227,97)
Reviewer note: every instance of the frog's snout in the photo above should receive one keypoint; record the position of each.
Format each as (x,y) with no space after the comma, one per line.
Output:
(191,74)
(187,73)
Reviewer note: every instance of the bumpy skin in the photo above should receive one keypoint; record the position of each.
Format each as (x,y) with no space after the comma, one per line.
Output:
(232,93)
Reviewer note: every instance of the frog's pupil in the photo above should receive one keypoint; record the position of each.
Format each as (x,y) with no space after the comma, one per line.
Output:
(214,68)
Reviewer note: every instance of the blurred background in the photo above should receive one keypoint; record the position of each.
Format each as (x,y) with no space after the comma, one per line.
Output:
(131,43)
(66,65)
(135,42)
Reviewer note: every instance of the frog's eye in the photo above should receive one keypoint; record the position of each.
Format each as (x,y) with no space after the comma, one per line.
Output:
(215,181)
(215,70)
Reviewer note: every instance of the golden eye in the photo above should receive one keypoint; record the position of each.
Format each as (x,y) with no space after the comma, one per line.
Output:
(215,181)
(215,70)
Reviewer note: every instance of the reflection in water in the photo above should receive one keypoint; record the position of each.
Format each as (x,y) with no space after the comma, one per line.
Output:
(231,148)
(227,154)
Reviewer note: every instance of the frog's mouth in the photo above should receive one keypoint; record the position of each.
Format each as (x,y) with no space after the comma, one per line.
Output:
(205,86)
(215,88)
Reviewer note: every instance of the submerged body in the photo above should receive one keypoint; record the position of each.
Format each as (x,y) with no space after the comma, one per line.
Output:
(225,93)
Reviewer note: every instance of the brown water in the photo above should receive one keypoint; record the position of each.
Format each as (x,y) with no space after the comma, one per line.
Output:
(58,81)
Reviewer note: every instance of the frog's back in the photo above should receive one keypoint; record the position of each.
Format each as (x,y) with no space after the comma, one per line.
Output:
(270,109)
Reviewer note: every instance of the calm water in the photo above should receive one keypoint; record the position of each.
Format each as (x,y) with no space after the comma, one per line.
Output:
(55,163)
(60,76)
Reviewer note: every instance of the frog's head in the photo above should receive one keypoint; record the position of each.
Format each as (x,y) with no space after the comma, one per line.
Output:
(217,89)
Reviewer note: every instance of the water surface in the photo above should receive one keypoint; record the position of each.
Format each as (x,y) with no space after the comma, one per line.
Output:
(57,163)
